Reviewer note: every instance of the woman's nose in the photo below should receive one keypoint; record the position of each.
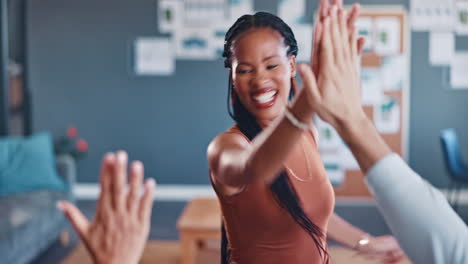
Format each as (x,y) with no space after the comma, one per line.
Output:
(260,79)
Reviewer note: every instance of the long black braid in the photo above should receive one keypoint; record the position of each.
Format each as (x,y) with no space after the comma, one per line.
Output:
(282,188)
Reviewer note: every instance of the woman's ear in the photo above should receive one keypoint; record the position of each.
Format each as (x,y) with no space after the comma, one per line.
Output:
(292,63)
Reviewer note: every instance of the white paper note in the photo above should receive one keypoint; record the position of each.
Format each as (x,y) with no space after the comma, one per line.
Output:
(371,86)
(428,15)
(329,140)
(365,27)
(393,72)
(238,8)
(170,15)
(441,48)
(333,169)
(387,36)
(154,56)
(303,34)
(219,31)
(459,71)
(387,116)
(292,11)
(461,19)
(194,43)
(204,12)
(347,160)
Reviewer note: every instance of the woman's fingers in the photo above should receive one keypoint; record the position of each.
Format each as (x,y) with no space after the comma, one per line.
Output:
(360,44)
(353,15)
(309,82)
(338,3)
(136,179)
(118,181)
(326,48)
(344,33)
(318,32)
(79,222)
(324,9)
(146,202)
(353,43)
(336,36)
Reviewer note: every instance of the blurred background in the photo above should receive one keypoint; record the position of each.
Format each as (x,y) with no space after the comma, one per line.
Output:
(82,78)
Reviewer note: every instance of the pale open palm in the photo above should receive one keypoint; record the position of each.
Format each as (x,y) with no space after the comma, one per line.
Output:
(121,226)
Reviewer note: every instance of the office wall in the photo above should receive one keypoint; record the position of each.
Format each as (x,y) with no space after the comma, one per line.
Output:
(80,74)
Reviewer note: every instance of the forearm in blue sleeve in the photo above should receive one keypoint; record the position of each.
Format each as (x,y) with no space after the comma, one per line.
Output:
(418,214)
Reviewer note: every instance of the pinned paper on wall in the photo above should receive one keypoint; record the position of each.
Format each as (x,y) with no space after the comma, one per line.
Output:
(387,36)
(441,48)
(420,15)
(458,71)
(292,11)
(347,160)
(428,15)
(303,34)
(194,43)
(153,56)
(218,34)
(238,8)
(333,169)
(204,12)
(387,116)
(329,140)
(393,72)
(461,20)
(365,27)
(371,86)
(170,14)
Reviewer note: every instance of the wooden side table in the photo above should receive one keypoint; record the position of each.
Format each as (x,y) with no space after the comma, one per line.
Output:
(200,221)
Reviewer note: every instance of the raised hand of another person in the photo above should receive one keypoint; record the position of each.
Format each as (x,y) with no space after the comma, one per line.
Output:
(323,12)
(337,98)
(120,229)
(385,249)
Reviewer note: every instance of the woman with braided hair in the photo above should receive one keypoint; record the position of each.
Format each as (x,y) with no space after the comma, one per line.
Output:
(276,200)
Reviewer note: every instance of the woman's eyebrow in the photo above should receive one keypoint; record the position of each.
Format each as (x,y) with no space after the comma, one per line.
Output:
(270,57)
(265,59)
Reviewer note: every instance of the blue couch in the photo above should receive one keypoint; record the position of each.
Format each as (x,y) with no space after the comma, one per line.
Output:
(30,222)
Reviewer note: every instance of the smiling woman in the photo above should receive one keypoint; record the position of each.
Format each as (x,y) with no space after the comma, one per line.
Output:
(276,200)
(262,211)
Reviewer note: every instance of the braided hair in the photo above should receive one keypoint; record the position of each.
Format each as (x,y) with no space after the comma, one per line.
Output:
(282,188)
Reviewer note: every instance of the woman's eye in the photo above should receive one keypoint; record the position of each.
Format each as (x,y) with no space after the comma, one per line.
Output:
(269,67)
(243,71)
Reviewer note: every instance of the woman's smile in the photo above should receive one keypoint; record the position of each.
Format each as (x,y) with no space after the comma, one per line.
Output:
(264,98)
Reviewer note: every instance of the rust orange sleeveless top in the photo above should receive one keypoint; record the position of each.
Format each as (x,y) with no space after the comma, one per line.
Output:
(259,231)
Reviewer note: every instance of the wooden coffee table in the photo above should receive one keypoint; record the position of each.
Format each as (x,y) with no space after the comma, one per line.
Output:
(199,222)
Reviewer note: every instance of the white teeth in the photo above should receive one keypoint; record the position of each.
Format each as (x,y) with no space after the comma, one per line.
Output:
(265,97)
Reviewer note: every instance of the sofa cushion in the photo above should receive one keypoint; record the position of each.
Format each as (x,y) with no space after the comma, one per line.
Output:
(29,222)
(28,164)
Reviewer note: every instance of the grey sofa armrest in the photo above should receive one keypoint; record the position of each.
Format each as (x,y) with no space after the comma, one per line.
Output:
(66,168)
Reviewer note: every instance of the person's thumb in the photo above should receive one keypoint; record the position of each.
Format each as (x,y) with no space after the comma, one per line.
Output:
(77,219)
(309,82)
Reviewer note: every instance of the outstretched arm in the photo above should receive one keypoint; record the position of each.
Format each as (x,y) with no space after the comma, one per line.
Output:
(418,214)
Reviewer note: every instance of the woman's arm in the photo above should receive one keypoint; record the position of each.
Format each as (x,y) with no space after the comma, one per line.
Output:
(235,162)
(385,248)
(343,232)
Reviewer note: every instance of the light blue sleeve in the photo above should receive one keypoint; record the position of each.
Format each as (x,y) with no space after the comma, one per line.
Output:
(418,214)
